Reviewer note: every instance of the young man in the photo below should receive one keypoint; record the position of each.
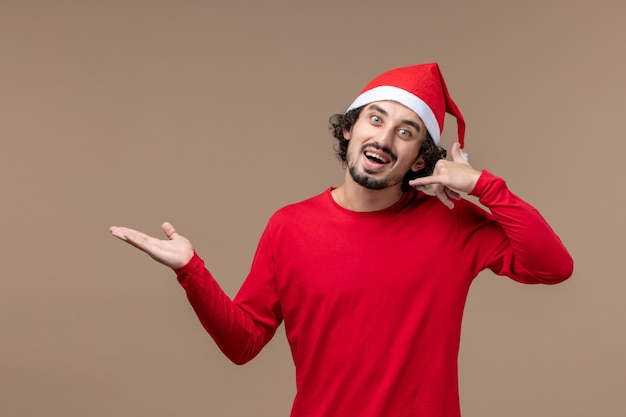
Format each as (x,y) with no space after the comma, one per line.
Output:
(371,277)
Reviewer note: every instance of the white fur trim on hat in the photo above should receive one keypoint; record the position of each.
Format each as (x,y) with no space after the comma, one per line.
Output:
(405,98)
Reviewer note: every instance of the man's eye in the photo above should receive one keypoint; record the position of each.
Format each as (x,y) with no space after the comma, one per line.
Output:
(376,119)
(405,132)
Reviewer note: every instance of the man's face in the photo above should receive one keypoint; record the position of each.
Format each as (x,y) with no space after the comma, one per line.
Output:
(384,144)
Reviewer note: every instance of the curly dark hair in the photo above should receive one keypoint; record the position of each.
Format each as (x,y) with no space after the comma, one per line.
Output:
(430,152)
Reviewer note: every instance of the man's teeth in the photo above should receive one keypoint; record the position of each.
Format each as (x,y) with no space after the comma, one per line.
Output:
(375,156)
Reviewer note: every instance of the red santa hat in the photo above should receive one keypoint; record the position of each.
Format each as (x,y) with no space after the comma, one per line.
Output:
(422,89)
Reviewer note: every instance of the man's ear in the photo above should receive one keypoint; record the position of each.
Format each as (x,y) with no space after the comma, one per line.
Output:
(347,134)
(419,164)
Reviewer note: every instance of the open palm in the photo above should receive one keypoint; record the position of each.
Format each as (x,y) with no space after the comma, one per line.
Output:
(175,251)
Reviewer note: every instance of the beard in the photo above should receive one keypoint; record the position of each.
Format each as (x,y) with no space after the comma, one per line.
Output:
(366,180)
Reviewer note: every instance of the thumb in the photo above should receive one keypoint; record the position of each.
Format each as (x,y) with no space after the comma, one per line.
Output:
(169,230)
(458,154)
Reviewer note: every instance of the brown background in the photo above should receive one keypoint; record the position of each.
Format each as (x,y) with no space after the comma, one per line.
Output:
(212,115)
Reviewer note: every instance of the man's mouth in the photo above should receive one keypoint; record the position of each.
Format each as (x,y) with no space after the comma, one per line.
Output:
(376,157)
(378,154)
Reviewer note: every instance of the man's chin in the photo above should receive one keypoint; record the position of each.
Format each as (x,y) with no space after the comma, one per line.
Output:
(366,180)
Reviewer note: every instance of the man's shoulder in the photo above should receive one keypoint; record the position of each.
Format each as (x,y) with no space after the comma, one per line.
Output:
(310,204)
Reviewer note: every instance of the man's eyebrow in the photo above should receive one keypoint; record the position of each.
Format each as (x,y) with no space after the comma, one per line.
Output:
(414,124)
(406,122)
(378,109)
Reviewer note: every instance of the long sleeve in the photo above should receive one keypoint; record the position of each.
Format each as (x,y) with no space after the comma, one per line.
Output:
(372,302)
(239,330)
(531,252)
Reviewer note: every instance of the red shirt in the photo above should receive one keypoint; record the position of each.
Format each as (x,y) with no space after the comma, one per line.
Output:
(372,301)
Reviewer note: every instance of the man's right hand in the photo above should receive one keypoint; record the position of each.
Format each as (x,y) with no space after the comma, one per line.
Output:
(175,251)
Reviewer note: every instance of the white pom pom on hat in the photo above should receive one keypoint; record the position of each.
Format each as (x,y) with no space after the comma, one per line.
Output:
(422,89)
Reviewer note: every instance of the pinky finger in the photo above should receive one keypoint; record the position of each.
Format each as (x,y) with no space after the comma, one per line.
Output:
(441,194)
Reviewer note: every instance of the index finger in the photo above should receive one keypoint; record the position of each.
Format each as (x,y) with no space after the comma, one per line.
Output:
(128,235)
(429,180)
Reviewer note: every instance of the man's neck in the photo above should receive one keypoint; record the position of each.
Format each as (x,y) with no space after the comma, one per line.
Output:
(355,197)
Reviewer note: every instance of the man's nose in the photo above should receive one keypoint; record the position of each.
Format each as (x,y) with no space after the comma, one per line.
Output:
(385,136)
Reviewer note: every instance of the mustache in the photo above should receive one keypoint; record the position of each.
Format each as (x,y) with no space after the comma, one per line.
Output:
(377,146)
